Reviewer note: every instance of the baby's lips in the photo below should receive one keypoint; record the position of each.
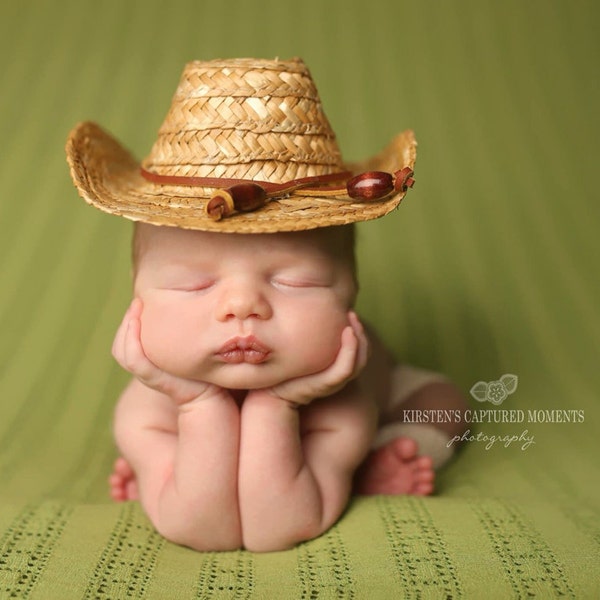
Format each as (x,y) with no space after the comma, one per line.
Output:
(244,343)
(244,349)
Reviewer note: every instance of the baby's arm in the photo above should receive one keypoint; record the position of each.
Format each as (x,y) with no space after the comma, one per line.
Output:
(183,447)
(297,462)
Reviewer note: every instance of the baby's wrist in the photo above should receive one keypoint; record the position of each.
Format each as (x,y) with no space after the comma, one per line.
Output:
(270,395)
(293,400)
(210,394)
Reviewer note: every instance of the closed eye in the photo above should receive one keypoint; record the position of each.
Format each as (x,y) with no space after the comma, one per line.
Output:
(191,287)
(297,283)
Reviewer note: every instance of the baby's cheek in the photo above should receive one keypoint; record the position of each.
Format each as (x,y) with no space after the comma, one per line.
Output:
(158,339)
(323,341)
(323,356)
(150,336)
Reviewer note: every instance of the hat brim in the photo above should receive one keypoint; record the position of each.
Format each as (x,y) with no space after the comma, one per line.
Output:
(108,177)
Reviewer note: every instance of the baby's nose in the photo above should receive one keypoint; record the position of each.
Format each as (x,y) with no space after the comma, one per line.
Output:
(243,302)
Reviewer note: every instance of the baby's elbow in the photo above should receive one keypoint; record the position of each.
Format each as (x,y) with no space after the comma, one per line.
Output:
(300,526)
(272,540)
(201,539)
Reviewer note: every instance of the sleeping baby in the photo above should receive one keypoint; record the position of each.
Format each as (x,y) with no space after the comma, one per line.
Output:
(258,401)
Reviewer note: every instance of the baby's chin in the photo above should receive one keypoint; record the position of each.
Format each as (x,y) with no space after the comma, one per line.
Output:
(253,377)
(248,377)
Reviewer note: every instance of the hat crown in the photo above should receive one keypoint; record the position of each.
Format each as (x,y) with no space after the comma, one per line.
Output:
(246,119)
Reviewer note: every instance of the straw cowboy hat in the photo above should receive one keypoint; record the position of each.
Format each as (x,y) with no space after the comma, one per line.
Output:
(246,148)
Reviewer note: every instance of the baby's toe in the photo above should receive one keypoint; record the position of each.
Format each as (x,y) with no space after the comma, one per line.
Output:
(424,463)
(122,468)
(423,488)
(405,448)
(424,476)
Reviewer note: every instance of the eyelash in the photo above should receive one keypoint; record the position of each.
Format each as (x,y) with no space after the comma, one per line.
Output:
(196,288)
(277,282)
(297,283)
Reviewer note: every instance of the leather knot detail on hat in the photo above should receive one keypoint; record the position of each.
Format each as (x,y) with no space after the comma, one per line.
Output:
(240,120)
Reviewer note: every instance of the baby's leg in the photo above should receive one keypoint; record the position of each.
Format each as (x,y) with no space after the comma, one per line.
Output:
(405,455)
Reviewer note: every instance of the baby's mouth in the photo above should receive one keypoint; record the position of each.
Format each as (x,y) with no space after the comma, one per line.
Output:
(243,349)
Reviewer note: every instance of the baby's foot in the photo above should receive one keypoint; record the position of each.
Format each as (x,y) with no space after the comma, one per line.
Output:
(394,469)
(122,481)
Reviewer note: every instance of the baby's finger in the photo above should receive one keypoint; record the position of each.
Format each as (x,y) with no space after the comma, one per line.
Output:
(118,346)
(127,347)
(343,366)
(363,350)
(136,360)
(135,308)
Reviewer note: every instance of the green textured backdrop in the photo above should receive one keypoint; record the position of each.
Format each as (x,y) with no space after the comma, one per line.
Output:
(489,267)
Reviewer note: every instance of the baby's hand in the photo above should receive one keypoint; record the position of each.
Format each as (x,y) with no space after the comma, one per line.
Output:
(128,352)
(349,362)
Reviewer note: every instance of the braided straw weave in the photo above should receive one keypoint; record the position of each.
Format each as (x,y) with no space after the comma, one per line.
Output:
(244,119)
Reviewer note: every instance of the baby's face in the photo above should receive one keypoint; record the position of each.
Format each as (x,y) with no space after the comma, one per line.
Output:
(242,311)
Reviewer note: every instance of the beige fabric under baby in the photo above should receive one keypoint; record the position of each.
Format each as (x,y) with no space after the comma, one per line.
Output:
(432,442)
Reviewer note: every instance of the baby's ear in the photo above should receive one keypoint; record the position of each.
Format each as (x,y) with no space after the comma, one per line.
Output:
(479,391)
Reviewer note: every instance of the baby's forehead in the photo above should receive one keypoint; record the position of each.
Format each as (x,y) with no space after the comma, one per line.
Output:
(330,250)
(334,241)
